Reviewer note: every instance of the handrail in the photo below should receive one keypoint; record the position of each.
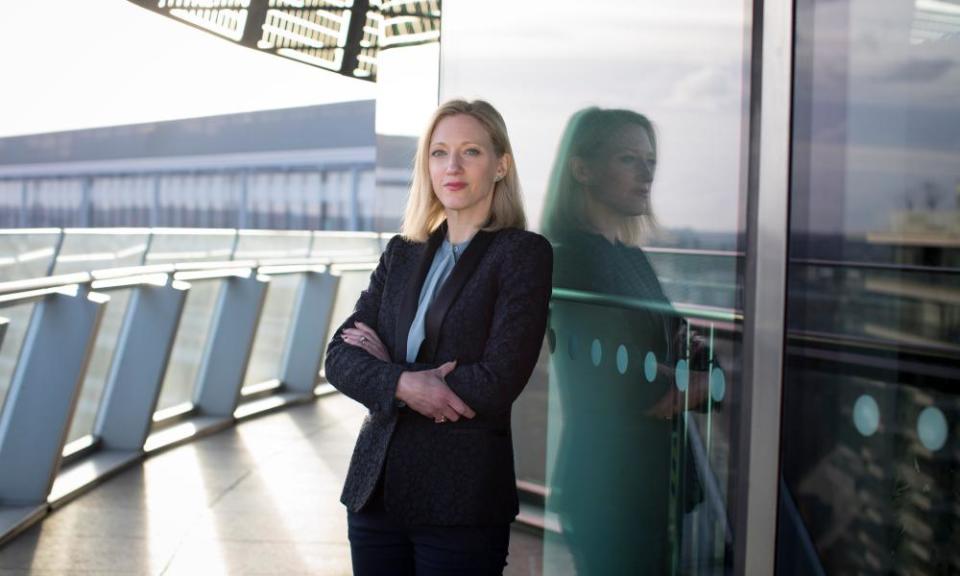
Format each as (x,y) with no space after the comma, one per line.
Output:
(627,303)
(694,311)
(17,292)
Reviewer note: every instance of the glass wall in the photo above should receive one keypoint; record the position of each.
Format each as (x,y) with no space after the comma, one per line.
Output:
(870,452)
(628,121)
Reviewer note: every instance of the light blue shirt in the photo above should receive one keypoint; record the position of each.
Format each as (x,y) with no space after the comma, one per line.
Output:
(443,262)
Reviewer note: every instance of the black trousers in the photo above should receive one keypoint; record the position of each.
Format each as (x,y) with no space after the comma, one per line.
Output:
(380,545)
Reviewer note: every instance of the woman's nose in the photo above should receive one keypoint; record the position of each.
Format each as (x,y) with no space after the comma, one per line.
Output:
(645,170)
(453,164)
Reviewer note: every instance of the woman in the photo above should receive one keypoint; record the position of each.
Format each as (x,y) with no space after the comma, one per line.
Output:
(624,475)
(438,347)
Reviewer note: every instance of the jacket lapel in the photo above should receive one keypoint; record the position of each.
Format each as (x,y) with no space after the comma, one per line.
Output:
(448,293)
(411,295)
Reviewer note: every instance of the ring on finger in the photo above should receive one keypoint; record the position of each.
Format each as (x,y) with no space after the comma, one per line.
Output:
(440,419)
(363,339)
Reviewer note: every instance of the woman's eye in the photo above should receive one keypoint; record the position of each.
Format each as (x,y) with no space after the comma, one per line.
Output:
(438,153)
(472,152)
(628,159)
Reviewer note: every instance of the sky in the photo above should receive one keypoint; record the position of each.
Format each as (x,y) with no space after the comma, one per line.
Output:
(68,65)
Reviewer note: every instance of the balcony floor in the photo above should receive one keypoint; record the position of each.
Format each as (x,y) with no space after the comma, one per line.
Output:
(258,498)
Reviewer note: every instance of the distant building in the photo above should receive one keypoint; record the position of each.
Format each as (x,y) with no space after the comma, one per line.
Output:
(299,168)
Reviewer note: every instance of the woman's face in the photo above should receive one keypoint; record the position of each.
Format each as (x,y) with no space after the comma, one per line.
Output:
(464,166)
(622,173)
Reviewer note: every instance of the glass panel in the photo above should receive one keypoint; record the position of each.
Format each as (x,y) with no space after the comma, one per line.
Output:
(352,283)
(273,329)
(346,246)
(19,317)
(26,255)
(277,312)
(172,245)
(190,343)
(628,122)
(98,369)
(263,245)
(90,249)
(407,85)
(870,481)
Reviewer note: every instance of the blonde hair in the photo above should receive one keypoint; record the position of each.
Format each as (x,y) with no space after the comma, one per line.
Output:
(568,206)
(424,212)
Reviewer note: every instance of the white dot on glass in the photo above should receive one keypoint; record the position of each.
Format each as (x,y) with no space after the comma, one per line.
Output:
(932,428)
(650,366)
(866,415)
(596,352)
(623,359)
(718,384)
(682,375)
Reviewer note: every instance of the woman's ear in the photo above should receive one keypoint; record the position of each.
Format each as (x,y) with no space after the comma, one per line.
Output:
(503,166)
(581,171)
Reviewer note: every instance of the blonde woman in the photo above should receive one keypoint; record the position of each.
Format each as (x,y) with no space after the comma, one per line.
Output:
(439,346)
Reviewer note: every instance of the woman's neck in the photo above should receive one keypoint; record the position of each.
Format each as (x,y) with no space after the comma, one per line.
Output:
(462,227)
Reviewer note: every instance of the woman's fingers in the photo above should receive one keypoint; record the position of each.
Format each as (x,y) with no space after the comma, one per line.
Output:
(359,339)
(446,368)
(450,415)
(460,407)
(367,331)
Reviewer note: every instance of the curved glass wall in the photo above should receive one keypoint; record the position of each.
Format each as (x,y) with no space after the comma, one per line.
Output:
(628,122)
(870,453)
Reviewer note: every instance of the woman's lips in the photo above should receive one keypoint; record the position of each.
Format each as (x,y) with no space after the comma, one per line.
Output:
(455,185)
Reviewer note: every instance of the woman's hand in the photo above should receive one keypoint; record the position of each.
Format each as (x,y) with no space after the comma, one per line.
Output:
(365,337)
(427,393)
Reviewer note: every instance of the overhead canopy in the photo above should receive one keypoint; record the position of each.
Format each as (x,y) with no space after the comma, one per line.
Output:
(343,36)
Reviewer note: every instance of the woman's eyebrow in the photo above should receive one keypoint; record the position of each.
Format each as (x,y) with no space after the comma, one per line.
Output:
(464,143)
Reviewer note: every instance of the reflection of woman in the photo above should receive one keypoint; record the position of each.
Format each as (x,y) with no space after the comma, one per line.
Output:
(439,346)
(619,451)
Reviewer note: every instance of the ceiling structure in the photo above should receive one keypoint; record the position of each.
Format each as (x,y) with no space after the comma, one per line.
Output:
(342,36)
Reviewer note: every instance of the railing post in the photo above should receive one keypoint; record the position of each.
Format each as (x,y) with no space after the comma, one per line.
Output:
(304,348)
(227,354)
(139,365)
(43,392)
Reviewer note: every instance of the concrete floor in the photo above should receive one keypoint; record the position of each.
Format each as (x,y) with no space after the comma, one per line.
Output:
(259,498)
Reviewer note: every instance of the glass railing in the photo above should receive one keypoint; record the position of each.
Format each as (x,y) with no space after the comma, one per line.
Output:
(115,281)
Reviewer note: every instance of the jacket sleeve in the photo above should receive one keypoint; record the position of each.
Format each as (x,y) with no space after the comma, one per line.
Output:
(353,370)
(516,334)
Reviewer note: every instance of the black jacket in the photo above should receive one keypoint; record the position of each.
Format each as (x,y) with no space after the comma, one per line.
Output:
(490,316)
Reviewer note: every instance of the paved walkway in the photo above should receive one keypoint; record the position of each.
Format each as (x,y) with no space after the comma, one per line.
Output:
(259,498)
